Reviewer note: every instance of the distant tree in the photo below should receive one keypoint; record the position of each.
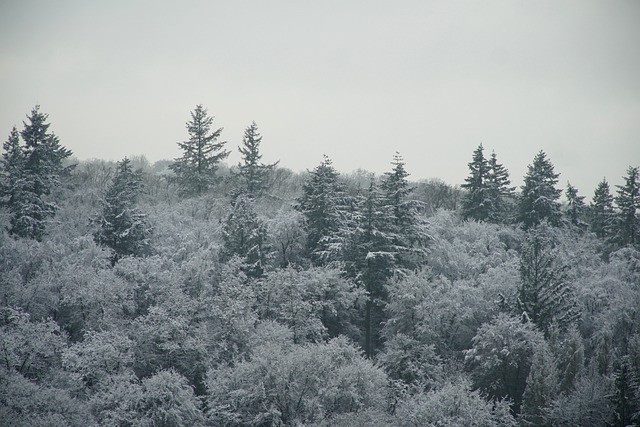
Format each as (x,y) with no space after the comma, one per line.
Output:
(476,203)
(498,189)
(253,173)
(575,206)
(539,198)
(123,227)
(323,205)
(244,234)
(602,215)
(628,202)
(30,174)
(196,169)
(623,397)
(541,389)
(544,296)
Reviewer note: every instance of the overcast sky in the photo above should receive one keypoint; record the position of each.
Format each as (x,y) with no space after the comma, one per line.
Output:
(356,80)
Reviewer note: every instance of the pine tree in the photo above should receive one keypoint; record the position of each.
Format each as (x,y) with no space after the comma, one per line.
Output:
(544,296)
(476,203)
(323,204)
(498,189)
(404,224)
(542,387)
(123,227)
(251,171)
(628,202)
(245,235)
(196,169)
(602,214)
(370,259)
(539,198)
(623,398)
(30,174)
(12,163)
(575,206)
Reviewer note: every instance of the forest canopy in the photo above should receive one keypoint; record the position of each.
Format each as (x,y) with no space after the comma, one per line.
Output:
(193,292)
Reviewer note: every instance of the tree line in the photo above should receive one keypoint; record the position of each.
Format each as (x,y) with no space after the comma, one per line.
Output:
(191,293)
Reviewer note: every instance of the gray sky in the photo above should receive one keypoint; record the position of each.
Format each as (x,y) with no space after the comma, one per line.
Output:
(356,80)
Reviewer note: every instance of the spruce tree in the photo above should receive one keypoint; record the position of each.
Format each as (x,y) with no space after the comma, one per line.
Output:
(196,169)
(544,297)
(628,203)
(404,224)
(370,259)
(30,173)
(244,234)
(602,214)
(539,198)
(253,173)
(498,189)
(476,203)
(122,227)
(323,204)
(542,387)
(575,206)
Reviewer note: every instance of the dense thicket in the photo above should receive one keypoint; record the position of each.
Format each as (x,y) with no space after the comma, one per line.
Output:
(322,299)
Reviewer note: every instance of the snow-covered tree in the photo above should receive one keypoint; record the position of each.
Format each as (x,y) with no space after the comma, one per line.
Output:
(602,215)
(541,389)
(122,226)
(253,174)
(476,203)
(539,198)
(323,205)
(196,169)
(30,174)
(575,206)
(628,203)
(544,296)
(499,192)
(244,234)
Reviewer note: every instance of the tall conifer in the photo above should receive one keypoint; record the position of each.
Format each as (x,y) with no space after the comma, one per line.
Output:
(539,198)
(628,202)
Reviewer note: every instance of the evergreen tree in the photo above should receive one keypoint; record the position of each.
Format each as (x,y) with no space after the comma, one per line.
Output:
(623,398)
(123,227)
(476,203)
(601,213)
(323,205)
(539,198)
(251,171)
(542,387)
(544,296)
(575,206)
(404,224)
(12,163)
(30,174)
(370,259)
(196,169)
(498,189)
(245,235)
(628,202)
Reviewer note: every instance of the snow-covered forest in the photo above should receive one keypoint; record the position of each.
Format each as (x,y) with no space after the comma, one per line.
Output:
(201,293)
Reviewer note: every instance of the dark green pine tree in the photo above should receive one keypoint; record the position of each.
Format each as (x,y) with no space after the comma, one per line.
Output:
(122,226)
(544,297)
(244,234)
(404,223)
(602,215)
(323,204)
(476,203)
(196,169)
(370,259)
(253,173)
(628,203)
(498,190)
(575,206)
(31,173)
(539,198)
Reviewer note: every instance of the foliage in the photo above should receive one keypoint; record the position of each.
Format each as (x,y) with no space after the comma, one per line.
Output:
(628,203)
(539,198)
(602,215)
(253,174)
